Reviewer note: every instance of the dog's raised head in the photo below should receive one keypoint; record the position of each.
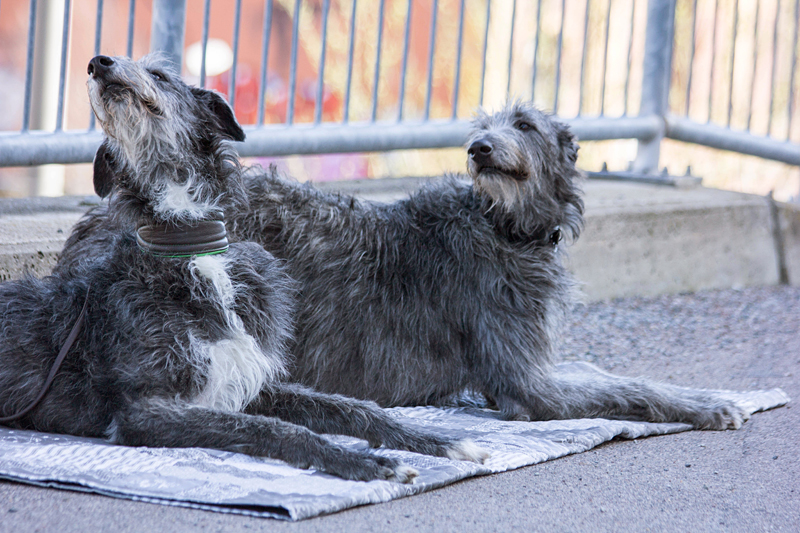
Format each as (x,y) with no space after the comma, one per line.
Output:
(166,142)
(523,162)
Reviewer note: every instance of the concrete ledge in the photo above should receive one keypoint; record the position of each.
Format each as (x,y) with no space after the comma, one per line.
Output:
(639,240)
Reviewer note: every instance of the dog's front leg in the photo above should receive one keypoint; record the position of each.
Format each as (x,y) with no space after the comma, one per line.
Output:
(581,390)
(330,413)
(176,424)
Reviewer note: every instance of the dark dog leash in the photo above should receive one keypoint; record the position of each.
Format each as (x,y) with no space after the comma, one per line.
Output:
(73,335)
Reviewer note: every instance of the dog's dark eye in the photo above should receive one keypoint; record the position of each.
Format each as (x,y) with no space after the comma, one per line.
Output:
(524,126)
(158,76)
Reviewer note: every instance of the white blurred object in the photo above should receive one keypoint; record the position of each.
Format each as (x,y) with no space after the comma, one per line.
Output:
(219,57)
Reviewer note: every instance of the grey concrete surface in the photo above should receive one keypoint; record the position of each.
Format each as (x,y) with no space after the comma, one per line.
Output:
(738,481)
(639,239)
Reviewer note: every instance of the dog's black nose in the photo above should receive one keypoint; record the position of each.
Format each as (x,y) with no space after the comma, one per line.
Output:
(99,65)
(480,151)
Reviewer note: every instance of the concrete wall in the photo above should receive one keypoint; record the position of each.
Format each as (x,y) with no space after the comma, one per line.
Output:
(639,240)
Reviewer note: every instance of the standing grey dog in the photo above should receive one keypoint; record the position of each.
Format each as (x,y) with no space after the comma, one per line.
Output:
(459,287)
(183,338)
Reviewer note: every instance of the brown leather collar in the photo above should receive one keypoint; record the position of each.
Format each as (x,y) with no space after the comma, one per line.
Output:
(183,239)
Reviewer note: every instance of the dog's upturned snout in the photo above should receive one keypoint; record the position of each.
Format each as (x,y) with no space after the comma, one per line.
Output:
(99,65)
(480,151)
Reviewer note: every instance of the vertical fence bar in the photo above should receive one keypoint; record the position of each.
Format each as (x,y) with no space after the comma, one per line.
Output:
(511,47)
(630,58)
(755,62)
(326,5)
(713,58)
(457,76)
(605,61)
(404,68)
(262,88)
(431,51)
(772,74)
(293,64)
(204,42)
(237,18)
(558,56)
(98,32)
(346,111)
(62,76)
(26,110)
(655,78)
(691,60)
(485,48)
(583,56)
(168,28)
(794,69)
(733,60)
(536,46)
(377,76)
(131,21)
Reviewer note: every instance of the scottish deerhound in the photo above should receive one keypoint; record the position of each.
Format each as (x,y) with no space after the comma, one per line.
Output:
(183,338)
(459,287)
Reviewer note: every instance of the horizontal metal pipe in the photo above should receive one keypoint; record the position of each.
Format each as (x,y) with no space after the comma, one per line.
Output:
(714,136)
(79,147)
(34,148)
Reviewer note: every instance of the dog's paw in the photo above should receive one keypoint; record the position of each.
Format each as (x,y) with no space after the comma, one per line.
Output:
(720,417)
(466,450)
(403,474)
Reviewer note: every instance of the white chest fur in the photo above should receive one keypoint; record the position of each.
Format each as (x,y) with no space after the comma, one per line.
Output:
(236,366)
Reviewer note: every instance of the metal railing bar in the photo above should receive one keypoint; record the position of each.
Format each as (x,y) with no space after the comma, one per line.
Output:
(39,148)
(713,57)
(304,139)
(536,46)
(431,51)
(691,59)
(26,109)
(262,88)
(377,76)
(237,19)
(204,41)
(558,56)
(755,63)
(346,111)
(457,75)
(630,58)
(404,68)
(605,60)
(511,47)
(733,59)
(485,47)
(98,32)
(326,5)
(62,77)
(583,56)
(293,64)
(772,74)
(131,21)
(794,69)
(714,136)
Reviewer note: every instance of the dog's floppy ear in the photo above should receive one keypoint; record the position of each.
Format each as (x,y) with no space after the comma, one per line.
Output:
(567,143)
(103,171)
(222,112)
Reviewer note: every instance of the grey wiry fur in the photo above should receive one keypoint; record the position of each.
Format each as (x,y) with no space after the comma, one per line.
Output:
(176,351)
(457,288)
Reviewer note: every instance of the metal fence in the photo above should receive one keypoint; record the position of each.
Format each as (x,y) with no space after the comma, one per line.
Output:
(613,69)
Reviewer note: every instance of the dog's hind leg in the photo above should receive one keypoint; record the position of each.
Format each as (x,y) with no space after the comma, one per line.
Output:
(330,413)
(176,424)
(581,390)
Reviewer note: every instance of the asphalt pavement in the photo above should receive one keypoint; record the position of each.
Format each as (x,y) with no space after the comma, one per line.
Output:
(745,480)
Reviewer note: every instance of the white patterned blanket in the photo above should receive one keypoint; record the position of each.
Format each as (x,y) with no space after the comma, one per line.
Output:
(236,483)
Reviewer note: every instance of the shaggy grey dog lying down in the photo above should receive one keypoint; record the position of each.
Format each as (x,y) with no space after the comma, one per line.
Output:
(179,338)
(460,287)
